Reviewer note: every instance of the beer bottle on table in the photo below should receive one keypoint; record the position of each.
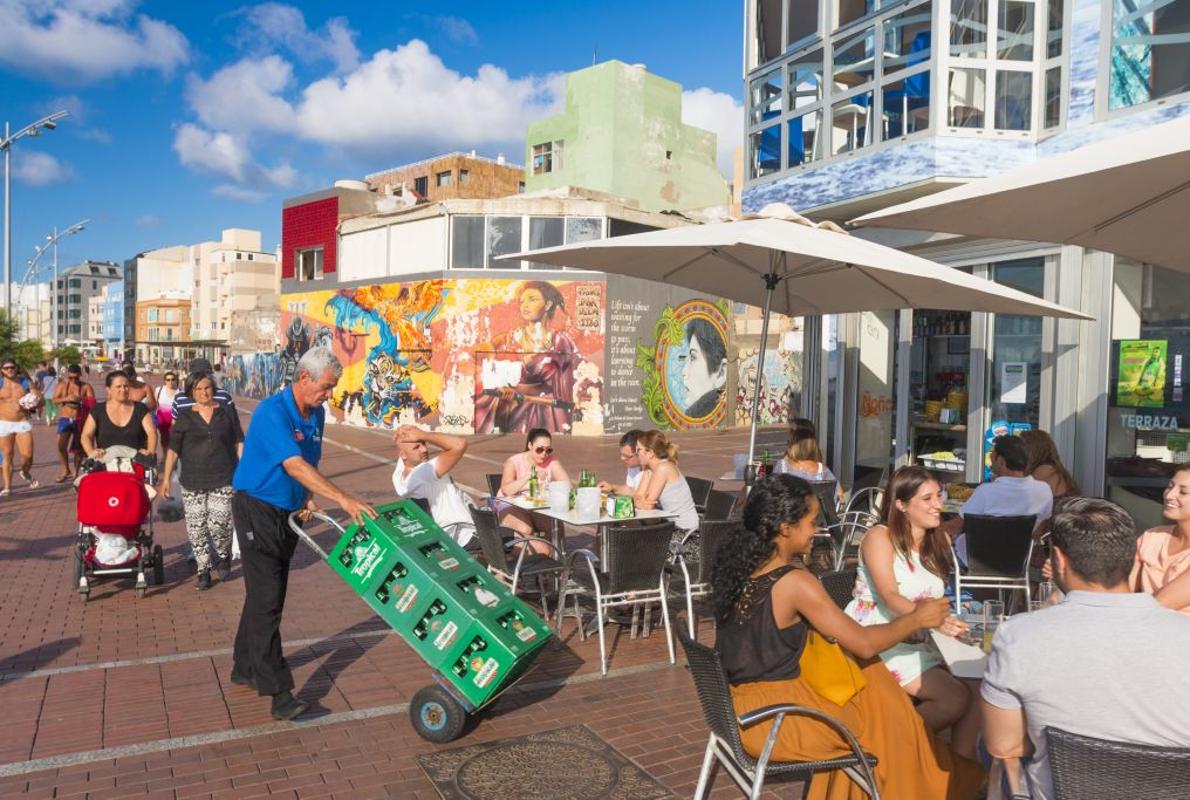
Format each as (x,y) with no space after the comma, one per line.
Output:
(533,484)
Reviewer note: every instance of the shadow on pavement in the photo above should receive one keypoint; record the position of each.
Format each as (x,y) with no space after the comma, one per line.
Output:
(35,658)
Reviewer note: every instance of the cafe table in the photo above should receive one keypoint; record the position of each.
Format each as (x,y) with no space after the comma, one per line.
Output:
(561,519)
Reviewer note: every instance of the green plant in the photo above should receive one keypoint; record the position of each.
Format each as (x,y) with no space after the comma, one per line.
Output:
(69,354)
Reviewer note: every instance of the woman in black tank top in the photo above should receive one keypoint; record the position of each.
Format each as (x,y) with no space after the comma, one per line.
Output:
(119,422)
(765,602)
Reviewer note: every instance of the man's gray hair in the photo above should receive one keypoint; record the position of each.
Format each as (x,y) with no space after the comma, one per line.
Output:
(317,361)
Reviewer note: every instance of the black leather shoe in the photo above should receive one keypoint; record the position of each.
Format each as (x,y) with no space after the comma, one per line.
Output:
(204,580)
(287,707)
(242,680)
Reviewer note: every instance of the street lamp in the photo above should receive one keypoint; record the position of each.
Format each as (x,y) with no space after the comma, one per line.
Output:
(32,129)
(51,241)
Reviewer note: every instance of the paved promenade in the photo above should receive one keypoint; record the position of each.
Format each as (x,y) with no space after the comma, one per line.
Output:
(120,697)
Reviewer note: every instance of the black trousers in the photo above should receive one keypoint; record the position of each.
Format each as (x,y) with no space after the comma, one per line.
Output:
(266,546)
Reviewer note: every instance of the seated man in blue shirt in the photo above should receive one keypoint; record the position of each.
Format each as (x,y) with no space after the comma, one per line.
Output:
(276,476)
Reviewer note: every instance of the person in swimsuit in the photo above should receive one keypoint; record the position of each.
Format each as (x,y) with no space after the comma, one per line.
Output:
(16,432)
(71,396)
(139,391)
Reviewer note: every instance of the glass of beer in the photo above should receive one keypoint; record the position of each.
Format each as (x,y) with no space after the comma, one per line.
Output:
(993,612)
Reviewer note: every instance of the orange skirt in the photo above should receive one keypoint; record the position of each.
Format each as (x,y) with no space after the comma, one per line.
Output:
(912,764)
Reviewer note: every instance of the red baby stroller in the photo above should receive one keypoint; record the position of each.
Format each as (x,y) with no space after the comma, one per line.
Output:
(115,524)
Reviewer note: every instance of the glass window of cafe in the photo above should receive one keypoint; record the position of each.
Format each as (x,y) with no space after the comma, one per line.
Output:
(1148,417)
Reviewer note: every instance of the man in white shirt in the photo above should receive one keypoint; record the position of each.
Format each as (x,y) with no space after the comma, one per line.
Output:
(1011,494)
(1105,662)
(631,461)
(419,476)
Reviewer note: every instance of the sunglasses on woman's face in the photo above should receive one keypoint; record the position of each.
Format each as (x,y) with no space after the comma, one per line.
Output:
(170,378)
(545,450)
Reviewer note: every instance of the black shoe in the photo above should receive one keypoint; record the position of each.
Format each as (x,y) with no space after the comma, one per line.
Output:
(287,707)
(204,580)
(242,680)
(223,569)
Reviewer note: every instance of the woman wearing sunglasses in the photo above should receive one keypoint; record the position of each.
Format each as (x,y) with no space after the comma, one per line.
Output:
(538,456)
(165,395)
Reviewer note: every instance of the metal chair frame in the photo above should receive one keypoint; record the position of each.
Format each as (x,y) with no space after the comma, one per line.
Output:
(606,588)
(845,534)
(992,578)
(711,533)
(725,748)
(500,570)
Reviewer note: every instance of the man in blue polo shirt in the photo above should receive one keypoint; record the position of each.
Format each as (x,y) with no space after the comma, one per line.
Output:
(276,476)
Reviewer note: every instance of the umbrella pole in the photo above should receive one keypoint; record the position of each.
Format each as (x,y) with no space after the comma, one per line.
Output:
(771,280)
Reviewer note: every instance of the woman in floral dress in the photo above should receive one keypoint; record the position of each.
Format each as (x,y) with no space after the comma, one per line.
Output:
(904,560)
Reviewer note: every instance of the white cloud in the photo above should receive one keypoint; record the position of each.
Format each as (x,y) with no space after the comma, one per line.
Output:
(277,24)
(227,155)
(233,192)
(719,113)
(38,169)
(458,30)
(245,96)
(147,221)
(83,41)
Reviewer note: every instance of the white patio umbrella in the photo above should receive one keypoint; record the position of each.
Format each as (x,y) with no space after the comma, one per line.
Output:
(781,261)
(1129,194)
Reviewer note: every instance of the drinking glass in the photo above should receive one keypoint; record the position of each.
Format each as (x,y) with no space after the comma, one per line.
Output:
(1036,605)
(993,612)
(1046,590)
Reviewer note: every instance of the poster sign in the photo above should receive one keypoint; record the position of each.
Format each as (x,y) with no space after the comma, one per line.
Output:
(1014,382)
(1140,382)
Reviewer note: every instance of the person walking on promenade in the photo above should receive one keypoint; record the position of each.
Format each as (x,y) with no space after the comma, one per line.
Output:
(16,432)
(277,475)
(73,399)
(208,439)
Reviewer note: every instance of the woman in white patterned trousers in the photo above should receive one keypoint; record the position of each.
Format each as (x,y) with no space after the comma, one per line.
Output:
(208,440)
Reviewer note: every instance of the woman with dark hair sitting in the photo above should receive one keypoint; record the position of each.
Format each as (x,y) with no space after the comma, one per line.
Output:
(765,604)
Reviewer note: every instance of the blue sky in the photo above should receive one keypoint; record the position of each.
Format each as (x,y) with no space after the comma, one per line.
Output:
(190,117)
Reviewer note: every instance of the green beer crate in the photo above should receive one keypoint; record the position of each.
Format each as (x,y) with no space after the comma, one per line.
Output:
(461,620)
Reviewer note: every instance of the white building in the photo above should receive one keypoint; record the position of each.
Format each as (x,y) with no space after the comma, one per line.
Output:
(235,283)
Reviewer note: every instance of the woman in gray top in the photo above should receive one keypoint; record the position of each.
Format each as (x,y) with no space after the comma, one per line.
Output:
(667,488)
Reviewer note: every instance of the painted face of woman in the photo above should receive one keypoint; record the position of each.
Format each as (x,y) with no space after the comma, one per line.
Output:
(532,305)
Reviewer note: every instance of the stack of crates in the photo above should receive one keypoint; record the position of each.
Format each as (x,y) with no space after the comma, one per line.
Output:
(466,624)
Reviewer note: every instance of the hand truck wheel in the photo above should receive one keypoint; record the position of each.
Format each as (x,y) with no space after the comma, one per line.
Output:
(436,716)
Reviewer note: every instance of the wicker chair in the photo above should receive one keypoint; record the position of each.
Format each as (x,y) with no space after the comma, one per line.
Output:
(695,576)
(839,585)
(720,505)
(828,501)
(527,564)
(724,746)
(700,490)
(635,575)
(1096,769)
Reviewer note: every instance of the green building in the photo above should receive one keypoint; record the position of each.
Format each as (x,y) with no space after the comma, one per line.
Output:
(622,133)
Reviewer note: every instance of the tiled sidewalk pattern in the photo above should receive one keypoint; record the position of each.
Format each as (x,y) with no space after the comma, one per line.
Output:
(130,698)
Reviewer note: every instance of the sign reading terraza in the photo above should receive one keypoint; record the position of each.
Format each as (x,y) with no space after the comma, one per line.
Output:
(1149,422)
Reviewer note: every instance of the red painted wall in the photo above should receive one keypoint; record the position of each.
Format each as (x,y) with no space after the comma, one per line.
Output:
(309,225)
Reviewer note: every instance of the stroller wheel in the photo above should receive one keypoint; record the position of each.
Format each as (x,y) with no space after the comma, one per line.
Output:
(140,592)
(158,566)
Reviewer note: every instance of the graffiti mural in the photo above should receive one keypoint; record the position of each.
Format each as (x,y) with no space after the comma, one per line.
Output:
(685,370)
(255,375)
(779,389)
(464,355)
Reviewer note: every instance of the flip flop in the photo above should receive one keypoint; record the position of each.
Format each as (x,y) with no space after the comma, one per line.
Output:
(33,484)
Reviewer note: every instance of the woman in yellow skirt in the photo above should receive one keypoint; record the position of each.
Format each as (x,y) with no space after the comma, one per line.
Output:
(764,607)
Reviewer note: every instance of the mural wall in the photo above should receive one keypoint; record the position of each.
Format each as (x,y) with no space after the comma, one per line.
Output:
(467,355)
(255,375)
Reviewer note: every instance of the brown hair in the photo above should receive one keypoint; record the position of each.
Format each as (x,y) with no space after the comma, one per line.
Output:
(803,446)
(934,551)
(656,443)
(1044,453)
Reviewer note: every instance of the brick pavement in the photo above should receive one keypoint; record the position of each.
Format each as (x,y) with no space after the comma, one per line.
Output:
(124,698)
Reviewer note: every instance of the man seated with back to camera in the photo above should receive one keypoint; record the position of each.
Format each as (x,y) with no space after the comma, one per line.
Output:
(1100,663)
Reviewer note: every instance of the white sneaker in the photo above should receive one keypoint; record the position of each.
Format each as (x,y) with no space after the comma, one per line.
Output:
(33,484)
(4,492)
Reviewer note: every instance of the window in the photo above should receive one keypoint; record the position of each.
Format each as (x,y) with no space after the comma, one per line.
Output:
(1014,32)
(1053,97)
(851,10)
(1150,51)
(804,142)
(583,229)
(855,60)
(309,264)
(907,39)
(250,257)
(464,176)
(802,17)
(765,148)
(421,186)
(766,38)
(545,232)
(239,256)
(766,97)
(76,283)
(76,329)
(466,243)
(152,315)
(1053,29)
(849,124)
(969,28)
(547,157)
(504,237)
(967,95)
(75,298)
(1014,100)
(805,81)
(906,105)
(442,178)
(94,285)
